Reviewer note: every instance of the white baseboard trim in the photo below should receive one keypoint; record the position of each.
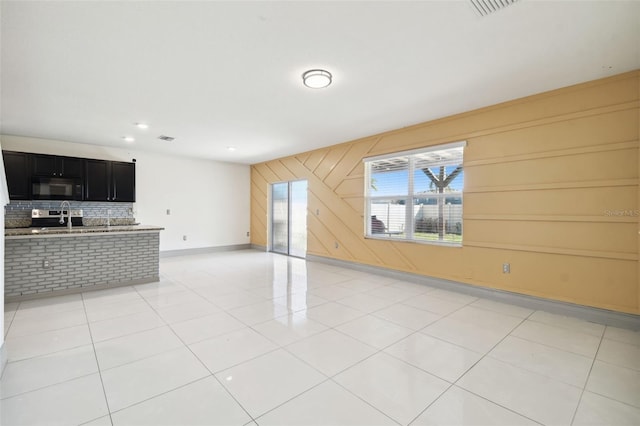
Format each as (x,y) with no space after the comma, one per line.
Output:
(587,313)
(203,250)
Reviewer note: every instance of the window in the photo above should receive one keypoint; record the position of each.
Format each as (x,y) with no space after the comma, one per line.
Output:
(416,195)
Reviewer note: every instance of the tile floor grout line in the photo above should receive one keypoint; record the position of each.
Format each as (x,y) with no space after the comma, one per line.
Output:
(256,276)
(413,331)
(47,331)
(326,379)
(363,400)
(376,352)
(5,334)
(160,394)
(212,374)
(497,312)
(431,403)
(586,382)
(636,407)
(49,385)
(322,372)
(551,346)
(141,359)
(613,364)
(95,354)
(563,328)
(168,325)
(546,345)
(48,353)
(454,383)
(494,403)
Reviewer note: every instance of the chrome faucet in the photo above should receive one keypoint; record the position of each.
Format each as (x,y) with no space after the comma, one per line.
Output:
(68,204)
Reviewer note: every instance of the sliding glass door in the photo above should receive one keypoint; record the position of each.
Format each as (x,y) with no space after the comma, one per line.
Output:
(289,218)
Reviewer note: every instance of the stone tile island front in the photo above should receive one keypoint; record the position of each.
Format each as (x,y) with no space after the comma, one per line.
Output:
(51,262)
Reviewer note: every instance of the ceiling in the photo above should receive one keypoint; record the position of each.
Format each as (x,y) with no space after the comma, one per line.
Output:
(218,74)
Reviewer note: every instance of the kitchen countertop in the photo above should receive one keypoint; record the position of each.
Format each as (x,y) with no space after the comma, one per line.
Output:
(76,231)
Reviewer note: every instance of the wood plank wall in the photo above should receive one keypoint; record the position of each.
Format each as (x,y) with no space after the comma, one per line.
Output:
(551,187)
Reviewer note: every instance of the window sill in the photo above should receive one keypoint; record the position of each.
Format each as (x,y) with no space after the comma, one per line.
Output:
(389,236)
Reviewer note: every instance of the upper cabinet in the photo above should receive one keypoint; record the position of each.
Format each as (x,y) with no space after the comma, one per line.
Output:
(16,167)
(123,178)
(102,180)
(110,181)
(56,166)
(96,183)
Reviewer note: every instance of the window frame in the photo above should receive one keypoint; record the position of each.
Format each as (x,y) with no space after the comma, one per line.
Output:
(409,198)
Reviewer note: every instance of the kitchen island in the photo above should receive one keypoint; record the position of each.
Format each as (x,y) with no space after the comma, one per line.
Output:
(43,262)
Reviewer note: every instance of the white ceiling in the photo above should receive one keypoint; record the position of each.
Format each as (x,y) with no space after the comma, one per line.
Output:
(217,74)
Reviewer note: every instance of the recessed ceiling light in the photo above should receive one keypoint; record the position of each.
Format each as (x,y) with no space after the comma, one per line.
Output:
(142,125)
(128,139)
(317,79)
(231,148)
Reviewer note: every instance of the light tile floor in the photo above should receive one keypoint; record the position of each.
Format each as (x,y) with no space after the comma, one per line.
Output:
(246,338)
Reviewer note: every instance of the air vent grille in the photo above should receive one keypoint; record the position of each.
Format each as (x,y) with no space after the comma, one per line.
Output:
(165,138)
(486,7)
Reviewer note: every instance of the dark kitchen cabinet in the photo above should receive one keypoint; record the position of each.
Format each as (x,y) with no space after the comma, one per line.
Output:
(16,167)
(109,181)
(123,181)
(53,165)
(96,180)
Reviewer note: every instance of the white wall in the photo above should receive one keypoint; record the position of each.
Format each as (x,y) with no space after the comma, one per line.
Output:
(4,199)
(209,200)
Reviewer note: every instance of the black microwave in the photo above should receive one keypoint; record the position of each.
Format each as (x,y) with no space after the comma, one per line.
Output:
(50,188)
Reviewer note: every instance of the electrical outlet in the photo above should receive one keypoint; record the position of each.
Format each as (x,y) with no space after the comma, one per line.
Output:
(506,268)
(46,264)
(168,212)
(184,238)
(247,233)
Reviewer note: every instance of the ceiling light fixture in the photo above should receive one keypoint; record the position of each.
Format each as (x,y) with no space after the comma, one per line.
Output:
(317,79)
(231,148)
(142,126)
(128,139)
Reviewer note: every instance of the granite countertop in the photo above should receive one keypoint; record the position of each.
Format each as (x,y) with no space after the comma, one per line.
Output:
(78,230)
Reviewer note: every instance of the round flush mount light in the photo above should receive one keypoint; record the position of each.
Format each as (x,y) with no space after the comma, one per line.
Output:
(231,148)
(317,79)
(128,139)
(142,125)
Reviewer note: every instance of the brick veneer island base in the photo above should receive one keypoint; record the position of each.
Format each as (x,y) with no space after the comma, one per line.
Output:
(58,261)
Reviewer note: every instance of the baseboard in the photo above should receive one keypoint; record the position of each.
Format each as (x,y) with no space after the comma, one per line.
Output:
(587,313)
(8,299)
(203,250)
(258,247)
(3,357)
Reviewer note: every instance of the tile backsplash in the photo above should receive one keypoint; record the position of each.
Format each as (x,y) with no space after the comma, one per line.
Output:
(17,214)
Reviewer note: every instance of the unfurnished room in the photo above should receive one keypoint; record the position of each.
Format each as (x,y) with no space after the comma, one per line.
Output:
(320,212)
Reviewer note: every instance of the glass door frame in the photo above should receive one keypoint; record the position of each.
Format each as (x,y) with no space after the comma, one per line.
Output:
(270,218)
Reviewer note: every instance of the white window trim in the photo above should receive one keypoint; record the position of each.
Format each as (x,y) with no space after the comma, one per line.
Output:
(409,198)
(432,148)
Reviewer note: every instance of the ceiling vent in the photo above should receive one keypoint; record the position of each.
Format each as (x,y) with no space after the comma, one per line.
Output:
(486,7)
(165,138)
